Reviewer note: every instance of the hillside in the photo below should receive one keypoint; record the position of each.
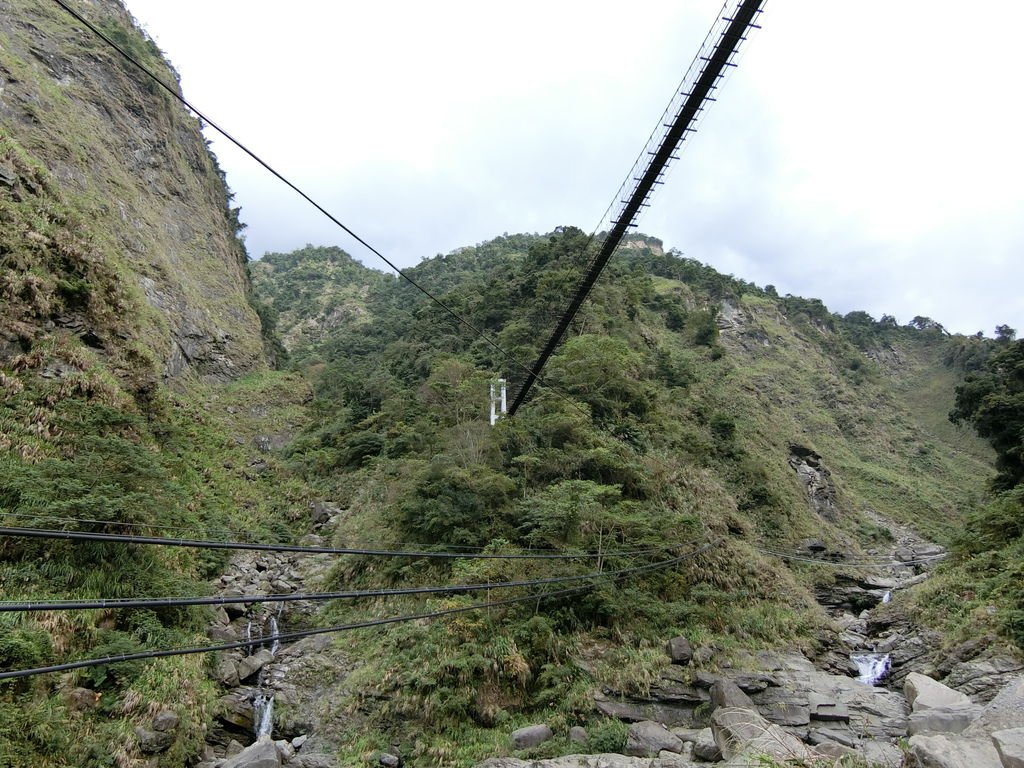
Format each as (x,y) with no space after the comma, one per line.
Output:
(684,405)
(126,329)
(694,442)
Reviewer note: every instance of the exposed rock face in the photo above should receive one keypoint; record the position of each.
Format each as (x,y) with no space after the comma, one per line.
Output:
(816,479)
(133,164)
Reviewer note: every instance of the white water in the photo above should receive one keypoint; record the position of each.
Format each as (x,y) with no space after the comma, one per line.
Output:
(872,666)
(275,645)
(263,714)
(887,597)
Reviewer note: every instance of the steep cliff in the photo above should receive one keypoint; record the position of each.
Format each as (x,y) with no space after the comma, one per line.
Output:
(117,225)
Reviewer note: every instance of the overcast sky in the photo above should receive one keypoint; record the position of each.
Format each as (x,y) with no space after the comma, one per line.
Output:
(870,154)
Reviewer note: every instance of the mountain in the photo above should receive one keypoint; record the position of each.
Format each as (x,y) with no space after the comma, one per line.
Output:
(127,329)
(694,441)
(684,406)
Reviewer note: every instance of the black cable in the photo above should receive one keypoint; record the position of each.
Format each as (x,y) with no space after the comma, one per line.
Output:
(289,636)
(660,158)
(168,602)
(177,96)
(285,637)
(48,533)
(119,523)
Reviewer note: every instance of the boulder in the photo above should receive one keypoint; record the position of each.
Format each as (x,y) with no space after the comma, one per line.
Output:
(706,748)
(679,650)
(530,736)
(1005,711)
(725,693)
(578,735)
(151,742)
(165,720)
(943,751)
(236,709)
(1010,746)
(227,673)
(250,665)
(81,699)
(262,754)
(647,739)
(387,760)
(924,693)
(952,719)
(740,732)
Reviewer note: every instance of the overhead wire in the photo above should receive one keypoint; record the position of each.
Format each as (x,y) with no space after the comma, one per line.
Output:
(174,93)
(30,606)
(50,533)
(246,539)
(297,635)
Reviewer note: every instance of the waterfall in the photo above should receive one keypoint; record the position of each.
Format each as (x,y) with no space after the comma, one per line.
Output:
(248,637)
(263,714)
(275,644)
(887,597)
(872,666)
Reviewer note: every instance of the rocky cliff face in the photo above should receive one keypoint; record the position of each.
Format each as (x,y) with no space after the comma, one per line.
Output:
(89,140)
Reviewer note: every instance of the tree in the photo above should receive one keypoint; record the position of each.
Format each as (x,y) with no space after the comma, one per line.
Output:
(992,401)
(1005,333)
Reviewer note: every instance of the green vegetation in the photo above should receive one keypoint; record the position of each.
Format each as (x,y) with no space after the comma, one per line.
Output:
(669,416)
(984,588)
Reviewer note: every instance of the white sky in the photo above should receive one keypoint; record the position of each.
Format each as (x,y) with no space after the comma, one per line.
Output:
(870,154)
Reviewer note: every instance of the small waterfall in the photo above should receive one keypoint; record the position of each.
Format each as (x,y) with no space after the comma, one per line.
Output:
(275,644)
(248,637)
(263,701)
(887,597)
(872,666)
(263,714)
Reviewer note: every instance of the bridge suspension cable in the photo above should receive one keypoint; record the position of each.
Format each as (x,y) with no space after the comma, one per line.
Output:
(651,165)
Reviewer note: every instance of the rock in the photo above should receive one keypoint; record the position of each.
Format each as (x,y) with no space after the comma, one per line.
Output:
(578,735)
(706,748)
(313,761)
(821,735)
(647,739)
(825,708)
(250,665)
(81,699)
(220,616)
(740,731)
(236,709)
(227,673)
(152,742)
(322,511)
(952,719)
(943,751)
(703,655)
(786,713)
(530,736)
(165,720)
(390,761)
(679,650)
(834,749)
(1010,746)
(234,747)
(1005,711)
(882,754)
(984,678)
(725,693)
(924,693)
(298,741)
(262,754)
